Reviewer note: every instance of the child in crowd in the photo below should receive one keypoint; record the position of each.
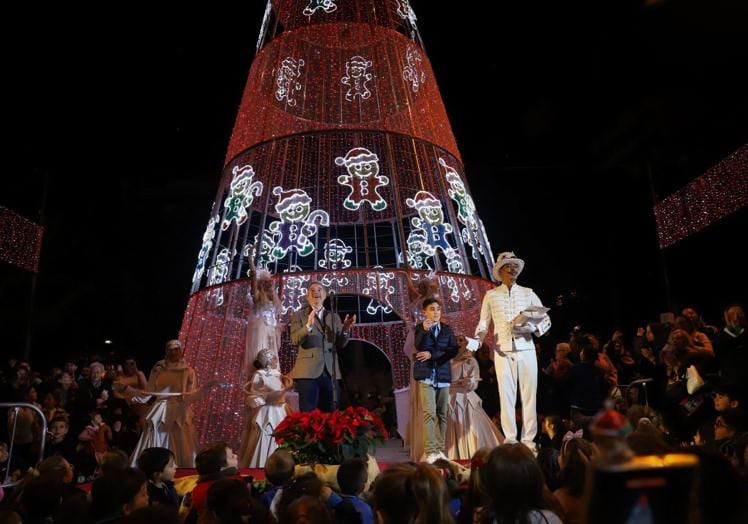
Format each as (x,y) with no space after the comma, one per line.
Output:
(394,500)
(279,471)
(159,467)
(352,478)
(514,487)
(576,454)
(214,462)
(449,472)
(472,500)
(114,496)
(266,408)
(97,435)
(468,427)
(726,396)
(59,441)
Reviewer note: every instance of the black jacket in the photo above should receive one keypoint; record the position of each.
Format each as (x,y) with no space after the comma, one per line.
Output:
(442,349)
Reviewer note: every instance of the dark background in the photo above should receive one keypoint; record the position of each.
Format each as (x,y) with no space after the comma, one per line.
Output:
(570,119)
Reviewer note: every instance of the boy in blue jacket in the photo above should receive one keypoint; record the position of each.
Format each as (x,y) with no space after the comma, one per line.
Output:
(435,346)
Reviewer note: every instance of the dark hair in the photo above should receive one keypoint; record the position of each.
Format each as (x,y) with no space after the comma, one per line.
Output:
(661,333)
(429,301)
(411,493)
(59,419)
(114,461)
(54,467)
(352,476)
(306,484)
(685,324)
(589,348)
(229,500)
(307,510)
(648,442)
(40,497)
(211,459)
(317,283)
(729,390)
(513,484)
(153,461)
(279,467)
(576,454)
(475,490)
(110,492)
(449,471)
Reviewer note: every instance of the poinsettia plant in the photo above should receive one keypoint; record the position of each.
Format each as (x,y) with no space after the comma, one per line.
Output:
(330,438)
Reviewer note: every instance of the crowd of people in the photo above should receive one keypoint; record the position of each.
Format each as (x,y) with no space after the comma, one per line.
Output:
(681,385)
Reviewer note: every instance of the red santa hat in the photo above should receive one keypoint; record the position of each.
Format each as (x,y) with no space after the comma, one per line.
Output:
(241,174)
(290,198)
(451,175)
(357,155)
(423,199)
(610,423)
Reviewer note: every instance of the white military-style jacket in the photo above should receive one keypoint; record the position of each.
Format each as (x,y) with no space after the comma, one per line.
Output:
(502,306)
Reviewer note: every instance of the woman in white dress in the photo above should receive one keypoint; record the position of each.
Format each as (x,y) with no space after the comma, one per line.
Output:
(468,426)
(263,329)
(267,407)
(427,288)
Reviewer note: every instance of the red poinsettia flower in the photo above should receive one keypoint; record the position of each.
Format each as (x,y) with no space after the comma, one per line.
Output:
(316,436)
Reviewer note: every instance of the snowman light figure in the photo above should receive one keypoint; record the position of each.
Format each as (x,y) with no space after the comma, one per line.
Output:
(430,221)
(363,178)
(296,223)
(241,195)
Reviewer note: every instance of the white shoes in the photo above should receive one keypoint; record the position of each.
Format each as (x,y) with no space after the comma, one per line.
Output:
(433,457)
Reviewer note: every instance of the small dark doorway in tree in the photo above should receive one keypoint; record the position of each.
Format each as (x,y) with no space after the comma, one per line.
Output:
(367,380)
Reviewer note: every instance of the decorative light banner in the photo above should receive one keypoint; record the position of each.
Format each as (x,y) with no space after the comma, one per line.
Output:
(376,79)
(20,240)
(717,193)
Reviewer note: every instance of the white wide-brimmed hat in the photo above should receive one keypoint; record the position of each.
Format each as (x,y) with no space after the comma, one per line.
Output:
(507,257)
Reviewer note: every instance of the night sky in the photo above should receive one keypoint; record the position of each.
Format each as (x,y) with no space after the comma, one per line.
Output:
(560,113)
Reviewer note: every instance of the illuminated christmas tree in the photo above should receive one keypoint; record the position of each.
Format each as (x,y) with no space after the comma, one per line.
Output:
(343,168)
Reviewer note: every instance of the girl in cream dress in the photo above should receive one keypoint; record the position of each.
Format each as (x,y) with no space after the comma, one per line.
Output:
(468,426)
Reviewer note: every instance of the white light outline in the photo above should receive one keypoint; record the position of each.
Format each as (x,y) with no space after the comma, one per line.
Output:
(357,84)
(286,80)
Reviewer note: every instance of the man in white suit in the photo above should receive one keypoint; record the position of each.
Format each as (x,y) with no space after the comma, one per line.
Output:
(514,352)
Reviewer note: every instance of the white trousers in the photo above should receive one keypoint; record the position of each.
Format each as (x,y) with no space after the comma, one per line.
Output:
(513,368)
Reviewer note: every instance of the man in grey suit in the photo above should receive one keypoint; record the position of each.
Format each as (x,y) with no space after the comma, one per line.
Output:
(319,334)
